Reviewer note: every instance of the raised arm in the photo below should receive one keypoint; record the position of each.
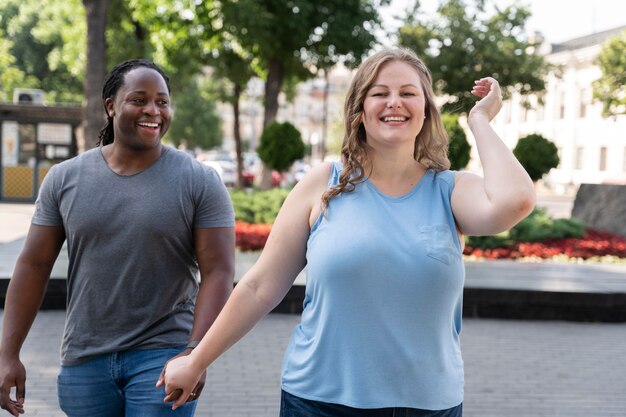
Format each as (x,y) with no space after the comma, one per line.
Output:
(24,295)
(260,289)
(505,194)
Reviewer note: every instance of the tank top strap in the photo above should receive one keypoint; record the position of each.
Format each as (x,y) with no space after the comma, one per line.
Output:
(335,171)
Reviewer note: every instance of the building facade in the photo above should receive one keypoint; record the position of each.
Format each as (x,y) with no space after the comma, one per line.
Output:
(592,148)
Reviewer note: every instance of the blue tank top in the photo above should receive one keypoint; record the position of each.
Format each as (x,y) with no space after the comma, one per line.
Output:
(382,311)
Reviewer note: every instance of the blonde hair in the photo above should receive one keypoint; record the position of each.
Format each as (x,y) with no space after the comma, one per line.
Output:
(431,143)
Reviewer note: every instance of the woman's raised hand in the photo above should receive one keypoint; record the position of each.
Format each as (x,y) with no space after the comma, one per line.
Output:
(490,103)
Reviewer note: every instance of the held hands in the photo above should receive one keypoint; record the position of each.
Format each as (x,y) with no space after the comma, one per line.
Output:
(182,379)
(490,104)
(12,374)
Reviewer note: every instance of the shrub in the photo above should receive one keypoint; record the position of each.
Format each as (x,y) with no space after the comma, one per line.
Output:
(500,240)
(251,237)
(537,155)
(281,145)
(258,206)
(539,226)
(458,146)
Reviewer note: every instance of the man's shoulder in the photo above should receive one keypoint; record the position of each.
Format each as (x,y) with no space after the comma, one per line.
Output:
(71,164)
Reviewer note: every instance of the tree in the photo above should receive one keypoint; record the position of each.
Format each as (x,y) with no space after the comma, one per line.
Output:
(458,146)
(11,77)
(235,67)
(46,43)
(462,45)
(281,145)
(96,14)
(195,122)
(293,40)
(610,88)
(537,155)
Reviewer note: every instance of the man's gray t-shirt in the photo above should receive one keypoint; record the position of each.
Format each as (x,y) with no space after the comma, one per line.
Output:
(132,277)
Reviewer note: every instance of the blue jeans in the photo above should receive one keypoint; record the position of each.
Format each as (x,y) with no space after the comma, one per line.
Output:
(119,384)
(292,406)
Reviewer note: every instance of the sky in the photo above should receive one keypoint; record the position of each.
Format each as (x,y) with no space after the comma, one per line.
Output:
(557,20)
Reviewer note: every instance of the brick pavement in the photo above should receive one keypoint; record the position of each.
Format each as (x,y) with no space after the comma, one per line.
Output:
(513,369)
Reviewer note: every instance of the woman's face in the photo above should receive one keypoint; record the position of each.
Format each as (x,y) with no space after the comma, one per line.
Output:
(141,109)
(394,107)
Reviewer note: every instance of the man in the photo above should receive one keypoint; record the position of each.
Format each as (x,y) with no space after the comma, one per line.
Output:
(141,221)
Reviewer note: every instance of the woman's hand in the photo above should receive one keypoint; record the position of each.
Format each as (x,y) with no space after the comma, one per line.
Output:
(180,377)
(490,104)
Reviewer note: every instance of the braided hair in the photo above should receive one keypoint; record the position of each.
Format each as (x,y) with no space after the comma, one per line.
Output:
(112,83)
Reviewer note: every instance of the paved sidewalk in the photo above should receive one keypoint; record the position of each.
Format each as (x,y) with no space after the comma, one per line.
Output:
(513,369)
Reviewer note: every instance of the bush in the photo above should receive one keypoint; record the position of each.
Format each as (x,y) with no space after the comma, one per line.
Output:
(539,226)
(458,146)
(537,155)
(251,237)
(258,206)
(500,240)
(281,145)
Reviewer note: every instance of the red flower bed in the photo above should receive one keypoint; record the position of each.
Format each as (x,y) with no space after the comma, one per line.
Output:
(593,244)
(249,237)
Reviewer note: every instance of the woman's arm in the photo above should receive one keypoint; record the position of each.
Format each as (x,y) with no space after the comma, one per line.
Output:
(505,195)
(260,289)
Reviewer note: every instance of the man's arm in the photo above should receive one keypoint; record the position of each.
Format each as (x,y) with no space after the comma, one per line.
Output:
(215,251)
(24,296)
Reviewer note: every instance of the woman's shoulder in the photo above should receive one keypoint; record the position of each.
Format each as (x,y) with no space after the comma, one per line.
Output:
(319,175)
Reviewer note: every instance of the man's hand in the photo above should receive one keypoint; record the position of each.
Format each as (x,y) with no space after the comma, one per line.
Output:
(12,374)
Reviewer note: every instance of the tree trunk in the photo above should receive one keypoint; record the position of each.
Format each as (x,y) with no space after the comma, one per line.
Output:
(93,115)
(237,135)
(324,116)
(272,90)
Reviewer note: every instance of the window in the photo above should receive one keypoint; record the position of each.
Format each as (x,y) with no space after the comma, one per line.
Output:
(603,158)
(562,105)
(580,154)
(585,102)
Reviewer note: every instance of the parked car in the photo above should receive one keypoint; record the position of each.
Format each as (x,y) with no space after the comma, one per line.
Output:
(227,170)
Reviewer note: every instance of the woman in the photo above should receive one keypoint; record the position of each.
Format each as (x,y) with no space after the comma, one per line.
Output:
(381,235)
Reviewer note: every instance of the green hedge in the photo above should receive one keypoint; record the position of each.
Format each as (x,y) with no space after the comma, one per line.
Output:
(537,227)
(258,206)
(261,207)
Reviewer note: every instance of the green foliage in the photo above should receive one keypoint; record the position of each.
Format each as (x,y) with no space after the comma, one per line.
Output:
(463,44)
(458,146)
(47,42)
(539,226)
(537,155)
(610,88)
(294,39)
(500,240)
(258,206)
(281,145)
(195,122)
(11,77)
